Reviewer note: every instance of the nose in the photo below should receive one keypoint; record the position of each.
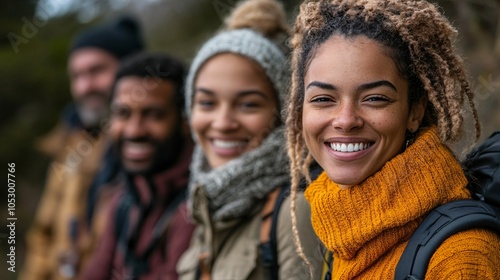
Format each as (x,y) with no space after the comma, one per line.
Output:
(347,118)
(84,84)
(225,119)
(134,128)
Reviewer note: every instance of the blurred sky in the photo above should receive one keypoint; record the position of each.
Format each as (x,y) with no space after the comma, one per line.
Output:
(89,9)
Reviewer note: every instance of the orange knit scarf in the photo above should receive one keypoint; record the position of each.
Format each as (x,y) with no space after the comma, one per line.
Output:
(368,225)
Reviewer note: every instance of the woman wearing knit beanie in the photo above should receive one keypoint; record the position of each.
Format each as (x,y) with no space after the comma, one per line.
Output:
(235,91)
(377,94)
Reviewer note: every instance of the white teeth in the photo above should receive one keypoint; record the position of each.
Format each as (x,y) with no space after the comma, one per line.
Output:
(349,147)
(137,150)
(228,144)
(136,146)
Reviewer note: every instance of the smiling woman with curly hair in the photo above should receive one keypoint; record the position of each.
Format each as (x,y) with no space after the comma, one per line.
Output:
(378,92)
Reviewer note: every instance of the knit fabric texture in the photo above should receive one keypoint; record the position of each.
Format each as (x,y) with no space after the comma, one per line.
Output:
(368,225)
(250,44)
(235,189)
(121,37)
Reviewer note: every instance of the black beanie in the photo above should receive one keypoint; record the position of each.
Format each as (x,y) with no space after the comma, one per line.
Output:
(120,37)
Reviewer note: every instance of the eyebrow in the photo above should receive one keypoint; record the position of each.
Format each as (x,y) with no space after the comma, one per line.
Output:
(240,93)
(362,87)
(321,85)
(148,108)
(204,90)
(115,104)
(376,84)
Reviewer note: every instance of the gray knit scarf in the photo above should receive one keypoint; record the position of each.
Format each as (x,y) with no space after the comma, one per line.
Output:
(235,189)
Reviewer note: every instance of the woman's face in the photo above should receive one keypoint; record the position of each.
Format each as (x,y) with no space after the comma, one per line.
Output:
(234,107)
(356,109)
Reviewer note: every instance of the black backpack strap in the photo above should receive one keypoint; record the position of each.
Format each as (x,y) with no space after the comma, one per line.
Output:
(482,167)
(270,250)
(270,258)
(440,224)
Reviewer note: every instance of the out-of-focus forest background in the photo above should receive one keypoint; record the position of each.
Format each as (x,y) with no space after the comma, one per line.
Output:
(35,34)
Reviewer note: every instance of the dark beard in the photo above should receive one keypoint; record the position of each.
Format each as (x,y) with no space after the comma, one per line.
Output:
(166,153)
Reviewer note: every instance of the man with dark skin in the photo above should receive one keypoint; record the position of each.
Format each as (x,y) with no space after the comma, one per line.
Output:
(147,228)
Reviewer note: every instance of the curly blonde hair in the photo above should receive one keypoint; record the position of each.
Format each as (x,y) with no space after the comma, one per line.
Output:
(415,35)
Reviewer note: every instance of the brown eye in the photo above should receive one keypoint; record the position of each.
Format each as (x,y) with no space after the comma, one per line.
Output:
(378,99)
(320,99)
(156,114)
(120,112)
(205,104)
(249,105)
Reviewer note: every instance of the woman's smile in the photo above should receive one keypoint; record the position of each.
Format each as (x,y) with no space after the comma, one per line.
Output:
(228,147)
(234,107)
(355,117)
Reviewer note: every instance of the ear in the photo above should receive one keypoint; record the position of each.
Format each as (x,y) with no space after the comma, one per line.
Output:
(416,115)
